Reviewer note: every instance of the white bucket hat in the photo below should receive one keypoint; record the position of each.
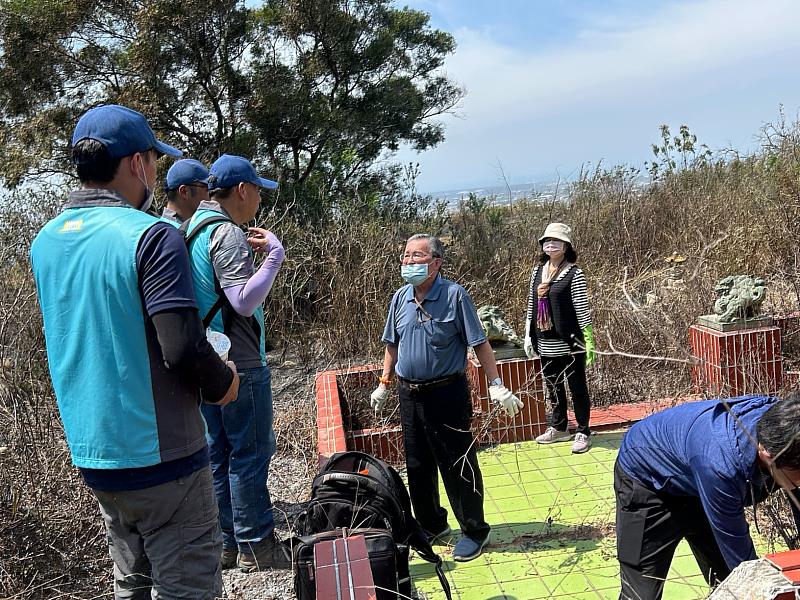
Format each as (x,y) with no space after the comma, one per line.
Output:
(557,231)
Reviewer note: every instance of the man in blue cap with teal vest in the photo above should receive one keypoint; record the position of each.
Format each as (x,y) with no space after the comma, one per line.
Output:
(230,292)
(130,362)
(186,187)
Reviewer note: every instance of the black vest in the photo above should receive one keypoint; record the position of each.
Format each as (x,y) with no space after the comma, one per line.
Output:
(565,321)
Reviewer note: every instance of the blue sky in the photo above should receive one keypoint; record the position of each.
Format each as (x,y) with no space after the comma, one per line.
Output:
(553,85)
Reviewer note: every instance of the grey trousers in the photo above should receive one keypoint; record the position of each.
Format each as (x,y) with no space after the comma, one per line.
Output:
(165,540)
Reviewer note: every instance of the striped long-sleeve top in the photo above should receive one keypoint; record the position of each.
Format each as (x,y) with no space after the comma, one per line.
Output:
(580,300)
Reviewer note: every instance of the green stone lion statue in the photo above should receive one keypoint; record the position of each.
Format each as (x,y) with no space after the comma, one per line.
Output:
(496,327)
(739,297)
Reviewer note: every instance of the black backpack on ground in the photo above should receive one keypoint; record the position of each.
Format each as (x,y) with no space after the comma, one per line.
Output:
(388,564)
(359,492)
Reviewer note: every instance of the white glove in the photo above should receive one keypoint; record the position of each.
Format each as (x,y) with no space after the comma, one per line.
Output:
(503,397)
(529,352)
(528,342)
(378,398)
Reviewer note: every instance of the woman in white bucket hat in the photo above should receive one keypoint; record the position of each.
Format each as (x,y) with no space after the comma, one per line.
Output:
(559,329)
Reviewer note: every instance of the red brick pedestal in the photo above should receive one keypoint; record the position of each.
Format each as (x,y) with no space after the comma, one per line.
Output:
(735,363)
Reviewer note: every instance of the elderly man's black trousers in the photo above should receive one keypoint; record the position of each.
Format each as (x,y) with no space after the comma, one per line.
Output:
(436,424)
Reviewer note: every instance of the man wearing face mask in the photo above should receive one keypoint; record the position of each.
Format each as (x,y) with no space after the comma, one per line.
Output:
(130,362)
(431,323)
(689,472)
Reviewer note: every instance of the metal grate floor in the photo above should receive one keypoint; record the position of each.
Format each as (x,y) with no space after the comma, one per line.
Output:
(552,518)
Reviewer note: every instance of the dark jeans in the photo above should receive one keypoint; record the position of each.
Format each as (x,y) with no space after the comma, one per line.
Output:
(650,526)
(436,433)
(571,370)
(242,442)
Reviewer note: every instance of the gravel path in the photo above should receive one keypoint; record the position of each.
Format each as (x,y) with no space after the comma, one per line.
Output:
(289,487)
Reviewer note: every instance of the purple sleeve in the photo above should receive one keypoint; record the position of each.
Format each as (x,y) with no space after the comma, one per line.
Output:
(246,297)
(165,275)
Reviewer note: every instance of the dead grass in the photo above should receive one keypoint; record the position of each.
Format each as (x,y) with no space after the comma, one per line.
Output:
(329,304)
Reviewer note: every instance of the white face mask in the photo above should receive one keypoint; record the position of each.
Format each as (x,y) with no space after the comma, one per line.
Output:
(148,191)
(552,246)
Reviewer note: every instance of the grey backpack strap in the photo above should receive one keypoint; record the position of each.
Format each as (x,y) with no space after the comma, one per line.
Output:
(188,237)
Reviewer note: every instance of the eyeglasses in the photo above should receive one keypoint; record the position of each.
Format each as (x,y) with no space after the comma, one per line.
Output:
(414,255)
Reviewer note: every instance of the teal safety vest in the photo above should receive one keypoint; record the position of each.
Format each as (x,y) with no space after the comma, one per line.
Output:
(205,285)
(84,264)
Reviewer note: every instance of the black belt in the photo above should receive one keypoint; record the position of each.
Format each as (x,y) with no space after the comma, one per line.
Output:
(413,384)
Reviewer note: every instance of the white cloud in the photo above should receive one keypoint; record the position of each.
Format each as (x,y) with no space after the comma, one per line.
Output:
(670,46)
(687,50)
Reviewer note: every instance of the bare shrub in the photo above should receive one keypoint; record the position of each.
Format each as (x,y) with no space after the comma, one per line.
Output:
(329,303)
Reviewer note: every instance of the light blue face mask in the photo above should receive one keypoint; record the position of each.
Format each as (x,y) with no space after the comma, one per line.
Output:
(414,274)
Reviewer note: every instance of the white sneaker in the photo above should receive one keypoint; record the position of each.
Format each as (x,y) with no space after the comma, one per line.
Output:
(552,434)
(581,443)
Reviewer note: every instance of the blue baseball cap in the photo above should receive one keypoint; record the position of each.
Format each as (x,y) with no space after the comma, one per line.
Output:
(121,130)
(186,170)
(229,170)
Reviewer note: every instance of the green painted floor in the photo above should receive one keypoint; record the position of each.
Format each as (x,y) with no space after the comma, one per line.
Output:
(552,518)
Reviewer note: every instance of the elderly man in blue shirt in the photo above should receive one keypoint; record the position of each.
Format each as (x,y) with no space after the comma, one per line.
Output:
(431,323)
(688,472)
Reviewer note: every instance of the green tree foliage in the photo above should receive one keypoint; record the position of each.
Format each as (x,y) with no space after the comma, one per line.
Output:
(315,90)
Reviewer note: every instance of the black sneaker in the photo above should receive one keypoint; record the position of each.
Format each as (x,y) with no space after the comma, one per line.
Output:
(269,553)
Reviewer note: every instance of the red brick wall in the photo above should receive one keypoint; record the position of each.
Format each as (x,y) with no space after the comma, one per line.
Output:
(490,424)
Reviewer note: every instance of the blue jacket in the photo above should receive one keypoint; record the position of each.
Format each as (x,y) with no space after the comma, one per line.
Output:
(702,449)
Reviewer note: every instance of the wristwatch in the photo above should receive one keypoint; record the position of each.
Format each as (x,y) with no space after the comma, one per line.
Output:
(496,381)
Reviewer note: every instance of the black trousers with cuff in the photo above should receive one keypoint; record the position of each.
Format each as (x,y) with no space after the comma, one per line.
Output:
(560,371)
(650,526)
(436,421)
